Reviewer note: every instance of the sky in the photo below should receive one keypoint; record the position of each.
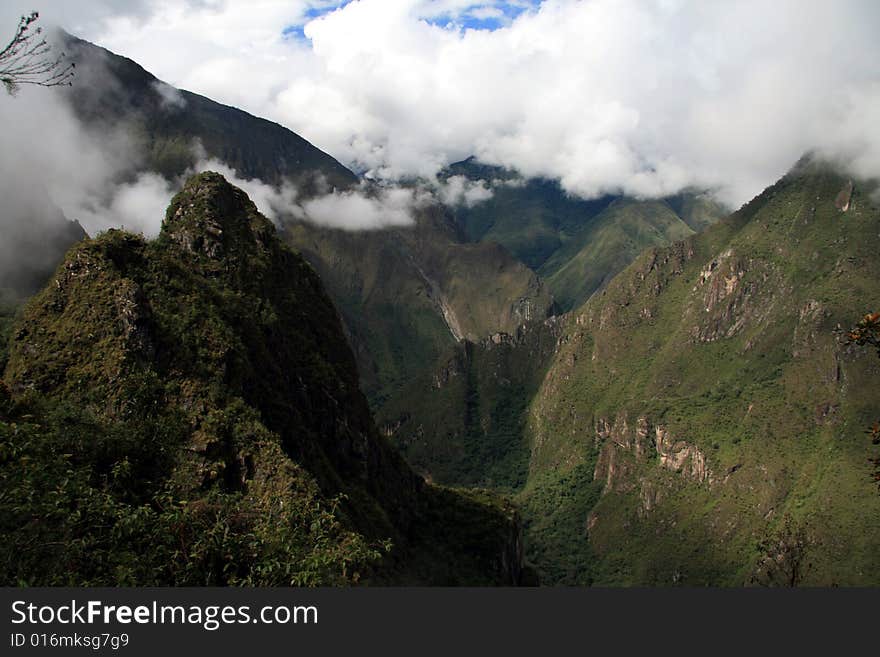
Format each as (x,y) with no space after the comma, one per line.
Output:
(642,97)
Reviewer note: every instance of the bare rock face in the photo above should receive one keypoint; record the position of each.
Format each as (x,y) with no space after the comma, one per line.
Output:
(844,198)
(625,449)
(680,456)
(737,292)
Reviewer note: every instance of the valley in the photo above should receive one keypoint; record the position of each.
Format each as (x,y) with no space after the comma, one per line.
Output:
(531,388)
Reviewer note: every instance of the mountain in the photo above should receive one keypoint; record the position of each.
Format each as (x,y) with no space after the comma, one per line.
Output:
(407,295)
(464,421)
(576,245)
(169,130)
(705,404)
(187,411)
(165,124)
(614,238)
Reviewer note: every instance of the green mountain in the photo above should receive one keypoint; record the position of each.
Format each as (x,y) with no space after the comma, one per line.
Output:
(464,421)
(575,245)
(187,411)
(405,294)
(704,405)
(532,217)
(614,238)
(409,294)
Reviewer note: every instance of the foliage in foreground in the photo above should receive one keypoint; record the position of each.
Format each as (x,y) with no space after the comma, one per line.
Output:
(83,502)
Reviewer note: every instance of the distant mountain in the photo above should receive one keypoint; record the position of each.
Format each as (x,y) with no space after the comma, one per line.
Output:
(576,245)
(705,400)
(187,411)
(167,122)
(409,294)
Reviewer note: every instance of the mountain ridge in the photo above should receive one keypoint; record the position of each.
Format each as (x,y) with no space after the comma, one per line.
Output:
(703,397)
(209,367)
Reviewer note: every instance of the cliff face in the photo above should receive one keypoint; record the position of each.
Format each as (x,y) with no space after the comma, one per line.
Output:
(706,394)
(216,350)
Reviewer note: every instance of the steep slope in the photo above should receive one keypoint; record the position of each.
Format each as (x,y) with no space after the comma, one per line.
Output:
(463,422)
(612,240)
(166,123)
(576,245)
(409,294)
(200,395)
(705,396)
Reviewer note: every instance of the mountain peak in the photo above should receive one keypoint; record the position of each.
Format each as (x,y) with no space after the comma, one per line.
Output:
(215,221)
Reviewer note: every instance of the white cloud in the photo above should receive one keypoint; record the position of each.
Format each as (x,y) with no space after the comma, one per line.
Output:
(642,96)
(369,207)
(137,206)
(365,209)
(169,96)
(459,190)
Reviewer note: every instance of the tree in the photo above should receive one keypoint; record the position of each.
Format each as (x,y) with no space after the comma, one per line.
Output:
(784,559)
(26,59)
(867,332)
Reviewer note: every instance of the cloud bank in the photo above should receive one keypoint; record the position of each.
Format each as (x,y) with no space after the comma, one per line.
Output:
(52,162)
(605,95)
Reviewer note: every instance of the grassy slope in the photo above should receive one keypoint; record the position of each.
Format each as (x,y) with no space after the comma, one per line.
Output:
(576,245)
(776,402)
(613,240)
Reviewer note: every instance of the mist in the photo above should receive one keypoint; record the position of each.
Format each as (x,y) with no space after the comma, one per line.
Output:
(628,97)
(54,169)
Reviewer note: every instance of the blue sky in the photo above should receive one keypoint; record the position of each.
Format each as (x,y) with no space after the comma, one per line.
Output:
(487,16)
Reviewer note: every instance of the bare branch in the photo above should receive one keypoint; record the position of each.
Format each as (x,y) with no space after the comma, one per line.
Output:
(27,59)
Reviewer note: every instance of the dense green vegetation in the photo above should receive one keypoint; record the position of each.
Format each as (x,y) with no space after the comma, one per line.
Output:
(723,353)
(196,394)
(576,245)
(464,422)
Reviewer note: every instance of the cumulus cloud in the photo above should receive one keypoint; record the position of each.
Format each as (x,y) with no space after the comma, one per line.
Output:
(46,155)
(137,206)
(607,95)
(366,209)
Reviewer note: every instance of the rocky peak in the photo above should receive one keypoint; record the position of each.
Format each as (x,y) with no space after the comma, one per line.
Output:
(216,222)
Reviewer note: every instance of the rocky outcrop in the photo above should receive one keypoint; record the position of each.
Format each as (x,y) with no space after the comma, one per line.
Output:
(843,200)
(736,292)
(625,449)
(680,456)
